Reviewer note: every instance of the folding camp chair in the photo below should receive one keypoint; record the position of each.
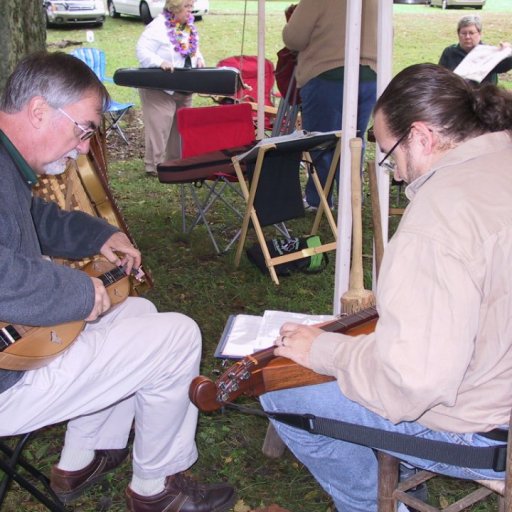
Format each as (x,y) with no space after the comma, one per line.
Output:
(16,468)
(210,137)
(248,66)
(273,193)
(96,60)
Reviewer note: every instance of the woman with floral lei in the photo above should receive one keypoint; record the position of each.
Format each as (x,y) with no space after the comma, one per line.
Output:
(170,41)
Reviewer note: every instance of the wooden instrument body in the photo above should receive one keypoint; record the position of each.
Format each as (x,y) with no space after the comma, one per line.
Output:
(38,345)
(85,187)
(262,372)
(92,171)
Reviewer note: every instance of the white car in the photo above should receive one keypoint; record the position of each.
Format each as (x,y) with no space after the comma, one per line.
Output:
(74,12)
(148,9)
(201,7)
(444,4)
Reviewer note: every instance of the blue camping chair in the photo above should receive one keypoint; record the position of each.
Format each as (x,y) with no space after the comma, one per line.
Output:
(96,60)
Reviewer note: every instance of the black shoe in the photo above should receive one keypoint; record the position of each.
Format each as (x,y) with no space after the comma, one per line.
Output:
(182,494)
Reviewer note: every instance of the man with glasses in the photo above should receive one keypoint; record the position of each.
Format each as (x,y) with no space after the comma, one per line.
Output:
(439,363)
(469,31)
(130,364)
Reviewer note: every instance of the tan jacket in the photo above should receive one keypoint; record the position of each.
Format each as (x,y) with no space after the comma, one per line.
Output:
(442,350)
(317,31)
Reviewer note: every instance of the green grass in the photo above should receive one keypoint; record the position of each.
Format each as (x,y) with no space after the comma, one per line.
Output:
(223,33)
(190,278)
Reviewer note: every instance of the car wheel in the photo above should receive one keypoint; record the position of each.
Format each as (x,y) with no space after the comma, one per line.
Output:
(444,4)
(112,10)
(145,13)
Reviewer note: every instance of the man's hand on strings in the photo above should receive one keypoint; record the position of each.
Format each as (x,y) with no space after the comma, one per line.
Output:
(120,243)
(295,341)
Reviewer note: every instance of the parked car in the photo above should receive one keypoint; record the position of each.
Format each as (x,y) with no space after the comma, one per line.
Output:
(148,9)
(445,4)
(67,12)
(201,7)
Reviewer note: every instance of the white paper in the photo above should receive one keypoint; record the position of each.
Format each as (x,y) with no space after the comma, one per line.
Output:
(249,333)
(237,341)
(480,61)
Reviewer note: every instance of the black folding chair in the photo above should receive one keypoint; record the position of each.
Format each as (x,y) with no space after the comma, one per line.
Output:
(15,468)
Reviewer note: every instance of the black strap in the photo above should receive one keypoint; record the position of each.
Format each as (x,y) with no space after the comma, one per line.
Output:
(498,434)
(492,457)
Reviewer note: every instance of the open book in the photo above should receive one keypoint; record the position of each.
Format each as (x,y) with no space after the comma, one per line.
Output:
(245,334)
(480,61)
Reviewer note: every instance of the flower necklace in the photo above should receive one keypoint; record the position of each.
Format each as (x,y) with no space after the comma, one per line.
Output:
(178,34)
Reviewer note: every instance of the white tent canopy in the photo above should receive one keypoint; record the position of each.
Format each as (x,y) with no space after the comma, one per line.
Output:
(349,122)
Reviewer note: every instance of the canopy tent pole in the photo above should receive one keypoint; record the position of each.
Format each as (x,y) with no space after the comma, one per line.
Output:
(348,131)
(260,118)
(349,123)
(384,75)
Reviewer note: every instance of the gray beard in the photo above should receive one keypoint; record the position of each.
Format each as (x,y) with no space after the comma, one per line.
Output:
(60,165)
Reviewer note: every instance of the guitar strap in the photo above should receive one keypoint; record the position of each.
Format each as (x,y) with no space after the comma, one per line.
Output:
(492,457)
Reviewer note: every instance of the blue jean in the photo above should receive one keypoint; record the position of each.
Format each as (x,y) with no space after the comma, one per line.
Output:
(346,471)
(322,110)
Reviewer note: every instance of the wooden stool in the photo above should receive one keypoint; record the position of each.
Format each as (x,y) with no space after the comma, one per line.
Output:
(273,445)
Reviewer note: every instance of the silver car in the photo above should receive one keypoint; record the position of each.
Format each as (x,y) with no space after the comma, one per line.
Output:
(67,12)
(445,4)
(149,9)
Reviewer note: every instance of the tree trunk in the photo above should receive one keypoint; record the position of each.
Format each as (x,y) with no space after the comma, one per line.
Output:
(22,31)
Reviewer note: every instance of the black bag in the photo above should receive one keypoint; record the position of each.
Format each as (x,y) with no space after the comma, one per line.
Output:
(282,246)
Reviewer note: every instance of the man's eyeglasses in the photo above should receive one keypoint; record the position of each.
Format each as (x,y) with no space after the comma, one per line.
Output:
(87,132)
(386,162)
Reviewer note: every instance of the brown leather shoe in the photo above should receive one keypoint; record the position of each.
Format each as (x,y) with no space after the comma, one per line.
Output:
(182,494)
(69,485)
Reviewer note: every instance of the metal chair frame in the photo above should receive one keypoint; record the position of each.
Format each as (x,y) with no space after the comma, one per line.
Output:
(209,132)
(17,469)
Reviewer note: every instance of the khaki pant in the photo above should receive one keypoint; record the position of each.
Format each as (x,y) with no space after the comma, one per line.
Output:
(161,135)
(132,366)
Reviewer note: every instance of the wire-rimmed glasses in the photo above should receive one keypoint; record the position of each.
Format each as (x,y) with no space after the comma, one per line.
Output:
(387,162)
(87,132)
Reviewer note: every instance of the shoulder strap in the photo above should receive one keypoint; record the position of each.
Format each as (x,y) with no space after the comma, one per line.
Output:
(492,457)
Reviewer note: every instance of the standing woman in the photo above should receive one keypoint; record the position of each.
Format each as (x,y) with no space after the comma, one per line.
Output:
(170,41)
(316,30)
